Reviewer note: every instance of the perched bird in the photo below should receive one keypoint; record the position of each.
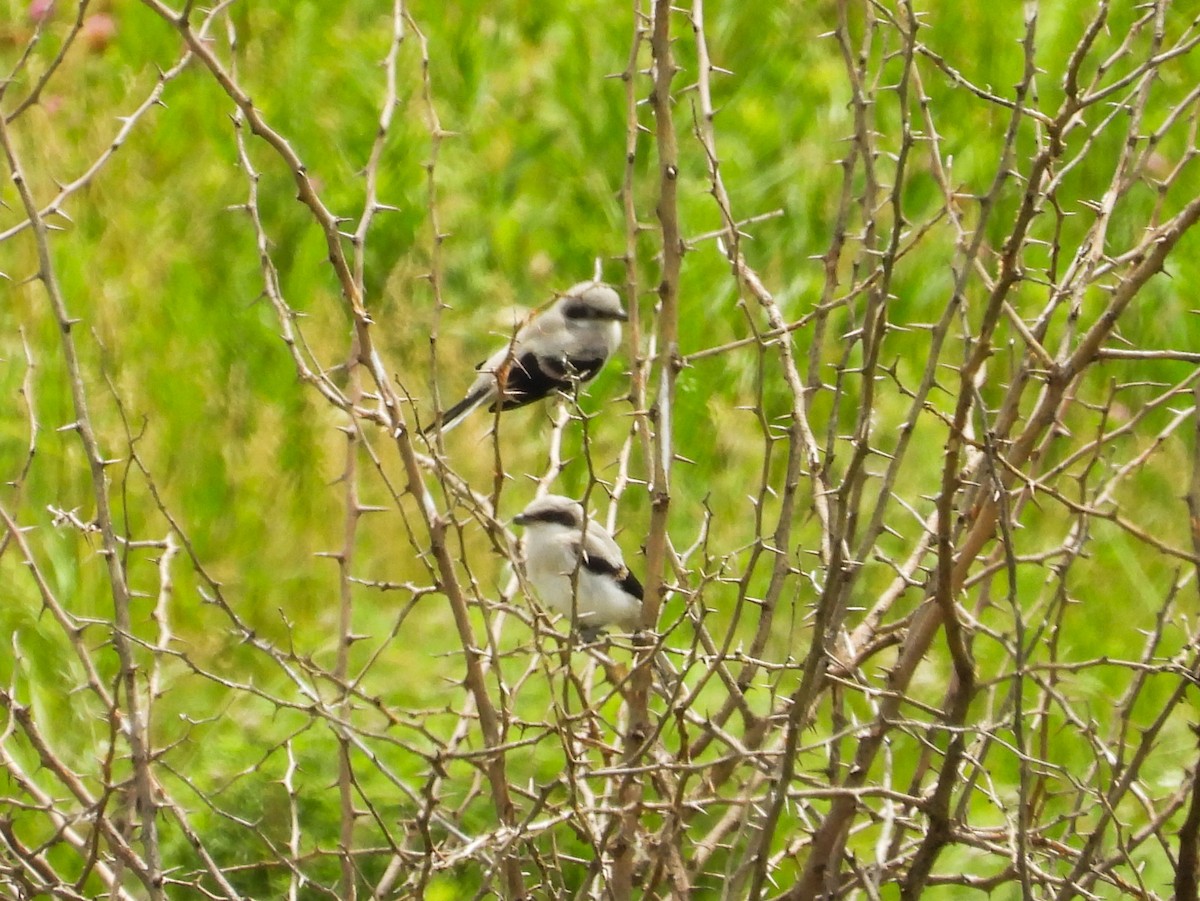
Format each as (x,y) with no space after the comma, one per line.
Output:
(566,344)
(557,546)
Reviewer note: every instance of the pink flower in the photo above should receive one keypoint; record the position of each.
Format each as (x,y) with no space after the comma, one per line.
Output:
(39,10)
(98,31)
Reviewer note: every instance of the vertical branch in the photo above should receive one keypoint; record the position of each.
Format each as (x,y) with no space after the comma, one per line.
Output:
(135,727)
(639,364)
(391,414)
(294,831)
(832,835)
(802,450)
(162,614)
(26,393)
(1187,865)
(387,112)
(667,359)
(345,638)
(436,136)
(353,507)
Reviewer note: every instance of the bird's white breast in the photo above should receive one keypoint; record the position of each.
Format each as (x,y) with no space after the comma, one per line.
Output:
(551,559)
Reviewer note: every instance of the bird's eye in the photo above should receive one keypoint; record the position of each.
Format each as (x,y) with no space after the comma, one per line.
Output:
(578,311)
(557,517)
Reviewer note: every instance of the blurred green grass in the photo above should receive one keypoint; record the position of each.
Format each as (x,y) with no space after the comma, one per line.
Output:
(162,269)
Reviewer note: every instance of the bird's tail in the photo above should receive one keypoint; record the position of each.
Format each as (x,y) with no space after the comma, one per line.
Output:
(457,413)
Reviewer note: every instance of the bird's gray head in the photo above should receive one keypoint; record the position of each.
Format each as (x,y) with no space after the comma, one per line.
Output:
(592,302)
(553,509)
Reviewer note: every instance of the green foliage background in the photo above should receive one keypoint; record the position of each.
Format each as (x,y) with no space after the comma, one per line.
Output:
(160,266)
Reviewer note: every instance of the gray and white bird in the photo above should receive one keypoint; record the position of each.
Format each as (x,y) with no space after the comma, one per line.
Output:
(557,546)
(566,344)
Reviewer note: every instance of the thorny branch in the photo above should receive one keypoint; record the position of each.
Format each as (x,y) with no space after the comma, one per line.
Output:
(867,674)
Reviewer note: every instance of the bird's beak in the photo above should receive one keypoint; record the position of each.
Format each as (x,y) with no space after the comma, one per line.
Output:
(520,519)
(621,316)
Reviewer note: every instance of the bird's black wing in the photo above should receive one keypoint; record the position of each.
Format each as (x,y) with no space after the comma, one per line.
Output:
(525,380)
(579,369)
(630,585)
(603,566)
(529,377)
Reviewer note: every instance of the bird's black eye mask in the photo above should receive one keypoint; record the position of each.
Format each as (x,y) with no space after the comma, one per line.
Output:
(580,311)
(561,517)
